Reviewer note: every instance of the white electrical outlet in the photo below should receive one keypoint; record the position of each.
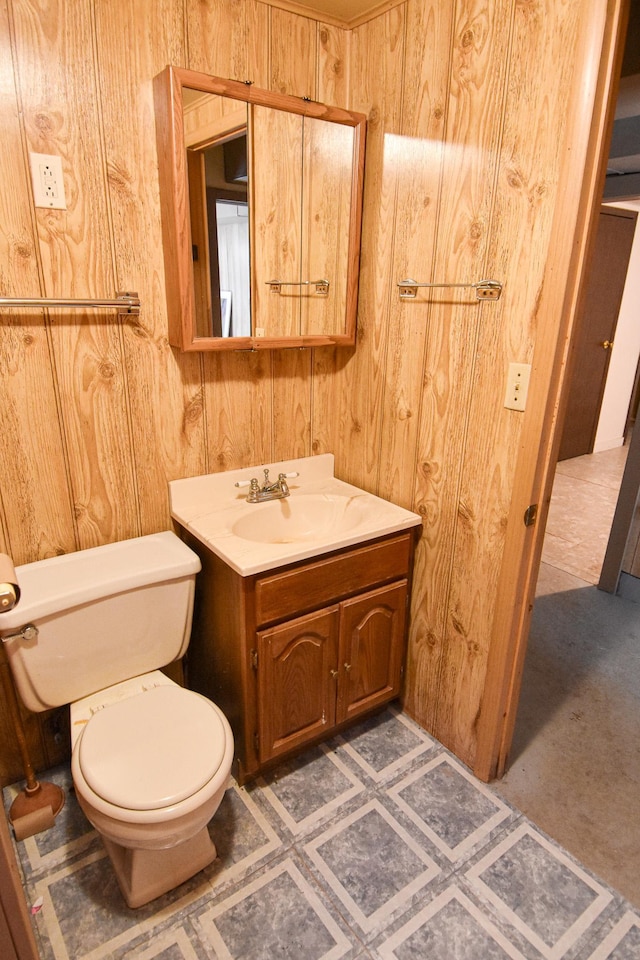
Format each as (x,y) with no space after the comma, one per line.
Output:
(48,185)
(515,397)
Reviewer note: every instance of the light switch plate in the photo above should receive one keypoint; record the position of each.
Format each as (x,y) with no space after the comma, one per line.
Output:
(515,397)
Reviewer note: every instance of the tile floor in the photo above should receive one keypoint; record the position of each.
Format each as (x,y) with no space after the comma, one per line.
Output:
(378,844)
(583,502)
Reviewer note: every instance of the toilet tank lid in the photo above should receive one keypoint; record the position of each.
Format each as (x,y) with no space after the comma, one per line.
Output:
(62,582)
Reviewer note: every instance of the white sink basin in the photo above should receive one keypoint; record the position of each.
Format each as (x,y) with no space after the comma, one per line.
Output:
(321,515)
(299,518)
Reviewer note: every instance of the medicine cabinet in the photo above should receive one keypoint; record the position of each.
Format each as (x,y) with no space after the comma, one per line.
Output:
(261,201)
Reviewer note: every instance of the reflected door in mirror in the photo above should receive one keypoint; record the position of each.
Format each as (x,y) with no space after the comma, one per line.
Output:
(216,159)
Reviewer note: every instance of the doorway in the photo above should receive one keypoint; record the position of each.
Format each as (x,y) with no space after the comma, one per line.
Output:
(597,329)
(574,766)
(601,397)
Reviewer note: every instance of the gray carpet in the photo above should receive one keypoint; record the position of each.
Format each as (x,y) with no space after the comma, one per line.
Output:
(575,760)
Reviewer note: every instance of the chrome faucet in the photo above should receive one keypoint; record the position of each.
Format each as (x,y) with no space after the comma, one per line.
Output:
(277,490)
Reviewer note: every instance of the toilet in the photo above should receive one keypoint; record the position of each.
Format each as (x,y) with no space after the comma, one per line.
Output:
(150,760)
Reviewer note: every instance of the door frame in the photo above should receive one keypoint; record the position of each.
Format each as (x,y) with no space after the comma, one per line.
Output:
(622,519)
(590,123)
(17,941)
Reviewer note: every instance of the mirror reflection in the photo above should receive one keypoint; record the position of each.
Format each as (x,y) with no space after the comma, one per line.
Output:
(306,204)
(216,145)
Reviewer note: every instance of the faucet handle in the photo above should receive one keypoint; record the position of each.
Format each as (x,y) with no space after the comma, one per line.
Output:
(253,483)
(249,483)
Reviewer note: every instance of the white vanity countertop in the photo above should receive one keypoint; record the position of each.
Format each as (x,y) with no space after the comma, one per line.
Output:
(210,506)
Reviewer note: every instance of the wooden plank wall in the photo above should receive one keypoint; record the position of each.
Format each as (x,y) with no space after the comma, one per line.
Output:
(465,146)
(466,104)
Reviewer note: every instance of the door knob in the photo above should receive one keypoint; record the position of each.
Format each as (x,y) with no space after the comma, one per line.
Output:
(607,344)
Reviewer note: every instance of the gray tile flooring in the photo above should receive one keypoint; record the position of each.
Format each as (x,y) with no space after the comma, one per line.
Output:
(377,844)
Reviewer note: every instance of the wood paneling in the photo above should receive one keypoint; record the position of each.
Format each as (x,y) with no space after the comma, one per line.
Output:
(467,105)
(35,500)
(487,136)
(59,97)
(293,74)
(165,387)
(223,36)
(419,153)
(523,188)
(291,369)
(478,67)
(588,109)
(276,205)
(354,432)
(237,388)
(326,203)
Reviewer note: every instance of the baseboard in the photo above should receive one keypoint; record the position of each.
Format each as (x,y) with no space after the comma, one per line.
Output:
(629,587)
(601,445)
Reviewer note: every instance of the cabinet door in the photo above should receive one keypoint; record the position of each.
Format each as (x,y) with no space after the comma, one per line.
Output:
(296,681)
(277,221)
(372,628)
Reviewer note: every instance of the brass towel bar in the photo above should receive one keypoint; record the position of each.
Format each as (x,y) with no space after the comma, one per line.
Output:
(485,289)
(125,303)
(322,286)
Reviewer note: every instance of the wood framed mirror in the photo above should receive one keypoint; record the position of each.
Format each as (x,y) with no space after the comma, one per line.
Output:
(261,200)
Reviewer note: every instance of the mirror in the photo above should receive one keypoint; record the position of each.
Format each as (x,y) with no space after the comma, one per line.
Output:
(261,199)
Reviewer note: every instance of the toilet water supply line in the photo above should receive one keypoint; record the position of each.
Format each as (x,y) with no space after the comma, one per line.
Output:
(37,805)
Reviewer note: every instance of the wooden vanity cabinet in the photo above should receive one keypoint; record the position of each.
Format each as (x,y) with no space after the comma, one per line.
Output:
(293,655)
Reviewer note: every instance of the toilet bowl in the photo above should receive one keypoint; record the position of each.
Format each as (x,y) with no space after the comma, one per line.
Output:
(150,760)
(144,781)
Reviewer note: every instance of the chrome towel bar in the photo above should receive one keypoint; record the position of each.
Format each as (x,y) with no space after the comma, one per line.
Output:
(485,289)
(125,303)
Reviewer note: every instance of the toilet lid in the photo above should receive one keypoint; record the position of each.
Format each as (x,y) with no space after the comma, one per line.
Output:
(152,750)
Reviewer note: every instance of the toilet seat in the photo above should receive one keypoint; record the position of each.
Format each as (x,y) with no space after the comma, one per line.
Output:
(152,750)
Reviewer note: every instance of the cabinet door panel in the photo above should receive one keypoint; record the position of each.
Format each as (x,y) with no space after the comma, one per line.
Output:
(326,208)
(277,212)
(297,692)
(372,644)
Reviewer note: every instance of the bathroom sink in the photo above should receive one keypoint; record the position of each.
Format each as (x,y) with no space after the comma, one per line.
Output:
(322,514)
(295,519)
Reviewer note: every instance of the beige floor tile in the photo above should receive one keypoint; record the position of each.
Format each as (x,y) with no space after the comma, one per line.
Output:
(583,502)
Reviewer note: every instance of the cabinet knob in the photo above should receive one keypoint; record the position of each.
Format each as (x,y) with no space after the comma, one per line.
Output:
(347,667)
(334,674)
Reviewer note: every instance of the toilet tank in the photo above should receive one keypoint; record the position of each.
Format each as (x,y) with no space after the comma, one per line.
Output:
(102,615)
